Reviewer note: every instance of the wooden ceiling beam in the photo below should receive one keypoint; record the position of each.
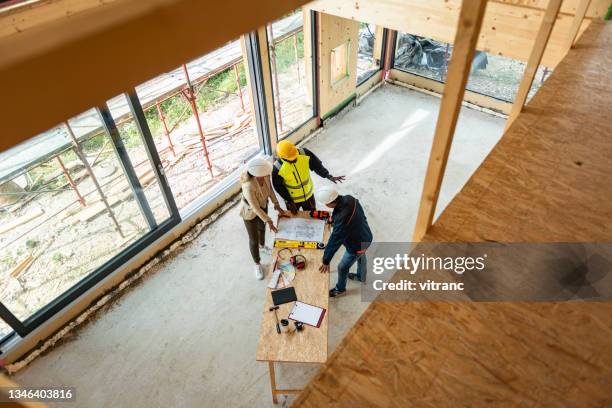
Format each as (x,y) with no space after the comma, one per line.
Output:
(61,68)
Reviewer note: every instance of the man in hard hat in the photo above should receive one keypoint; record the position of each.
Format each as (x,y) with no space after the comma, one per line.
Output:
(291,176)
(351,229)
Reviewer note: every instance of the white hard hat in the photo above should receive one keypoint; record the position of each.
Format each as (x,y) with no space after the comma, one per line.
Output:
(326,194)
(259,167)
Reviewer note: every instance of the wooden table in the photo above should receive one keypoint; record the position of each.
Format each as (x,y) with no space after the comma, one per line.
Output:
(310,344)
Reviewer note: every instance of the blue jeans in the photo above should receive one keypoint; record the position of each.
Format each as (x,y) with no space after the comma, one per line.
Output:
(344,266)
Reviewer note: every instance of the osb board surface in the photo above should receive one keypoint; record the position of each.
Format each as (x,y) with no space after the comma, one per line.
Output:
(529,189)
(549,179)
(311,286)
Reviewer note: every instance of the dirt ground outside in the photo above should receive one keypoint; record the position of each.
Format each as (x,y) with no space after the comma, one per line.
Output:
(500,79)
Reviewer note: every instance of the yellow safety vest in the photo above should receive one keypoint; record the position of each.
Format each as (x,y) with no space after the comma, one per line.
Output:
(296,178)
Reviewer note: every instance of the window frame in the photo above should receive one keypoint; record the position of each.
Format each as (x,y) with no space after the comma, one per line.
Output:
(28,325)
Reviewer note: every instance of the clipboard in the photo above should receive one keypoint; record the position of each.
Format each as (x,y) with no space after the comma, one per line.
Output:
(308,314)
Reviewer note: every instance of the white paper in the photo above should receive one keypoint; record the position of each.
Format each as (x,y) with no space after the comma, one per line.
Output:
(274,279)
(305,313)
(301,229)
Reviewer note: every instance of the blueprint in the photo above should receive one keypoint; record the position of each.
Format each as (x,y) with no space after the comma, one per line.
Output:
(301,229)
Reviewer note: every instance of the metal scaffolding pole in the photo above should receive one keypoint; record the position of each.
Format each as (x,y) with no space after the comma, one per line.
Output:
(275,77)
(166,131)
(71,181)
(191,98)
(237,74)
(89,170)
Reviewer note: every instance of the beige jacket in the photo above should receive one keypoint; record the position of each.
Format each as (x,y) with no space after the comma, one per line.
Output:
(255,197)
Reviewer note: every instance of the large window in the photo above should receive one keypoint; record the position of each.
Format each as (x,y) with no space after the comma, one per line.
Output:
(369,53)
(75,200)
(291,71)
(81,199)
(491,75)
(201,119)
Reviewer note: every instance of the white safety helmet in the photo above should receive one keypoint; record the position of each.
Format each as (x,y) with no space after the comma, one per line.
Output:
(326,194)
(259,167)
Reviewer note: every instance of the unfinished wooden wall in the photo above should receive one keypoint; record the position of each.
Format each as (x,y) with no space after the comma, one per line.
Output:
(509,27)
(334,31)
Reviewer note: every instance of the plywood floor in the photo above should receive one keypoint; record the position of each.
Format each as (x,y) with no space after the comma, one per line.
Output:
(549,179)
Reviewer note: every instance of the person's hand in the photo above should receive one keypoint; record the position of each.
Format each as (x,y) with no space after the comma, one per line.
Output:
(337,179)
(292,207)
(272,227)
(281,213)
(324,268)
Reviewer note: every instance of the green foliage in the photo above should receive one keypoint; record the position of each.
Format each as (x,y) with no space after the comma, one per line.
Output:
(58,257)
(7,261)
(94,143)
(32,243)
(177,110)
(218,87)
(130,134)
(285,52)
(609,13)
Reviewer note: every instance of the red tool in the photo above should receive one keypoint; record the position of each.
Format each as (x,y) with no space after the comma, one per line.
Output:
(320,215)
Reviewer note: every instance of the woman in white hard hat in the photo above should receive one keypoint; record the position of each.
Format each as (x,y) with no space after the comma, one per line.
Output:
(256,191)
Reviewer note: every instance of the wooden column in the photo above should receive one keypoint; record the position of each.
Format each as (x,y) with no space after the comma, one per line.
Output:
(581,11)
(386,64)
(308,48)
(539,46)
(378,43)
(468,30)
(266,79)
(272,381)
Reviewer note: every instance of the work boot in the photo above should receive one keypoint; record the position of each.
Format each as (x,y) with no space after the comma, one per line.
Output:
(354,277)
(336,293)
(258,272)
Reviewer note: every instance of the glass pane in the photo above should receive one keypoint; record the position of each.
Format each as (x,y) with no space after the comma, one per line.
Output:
(195,161)
(369,52)
(291,72)
(500,77)
(63,214)
(421,56)
(492,75)
(134,144)
(5,329)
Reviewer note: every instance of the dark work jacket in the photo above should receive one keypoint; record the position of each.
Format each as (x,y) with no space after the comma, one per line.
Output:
(350,228)
(315,165)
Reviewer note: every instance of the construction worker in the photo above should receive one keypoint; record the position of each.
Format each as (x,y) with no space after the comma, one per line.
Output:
(351,229)
(291,176)
(256,191)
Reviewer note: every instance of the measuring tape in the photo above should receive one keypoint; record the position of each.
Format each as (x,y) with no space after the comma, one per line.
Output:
(281,243)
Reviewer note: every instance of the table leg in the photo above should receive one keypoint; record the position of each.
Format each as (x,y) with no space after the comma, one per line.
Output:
(272,381)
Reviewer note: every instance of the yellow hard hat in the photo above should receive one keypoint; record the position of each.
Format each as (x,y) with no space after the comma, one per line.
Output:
(286,150)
